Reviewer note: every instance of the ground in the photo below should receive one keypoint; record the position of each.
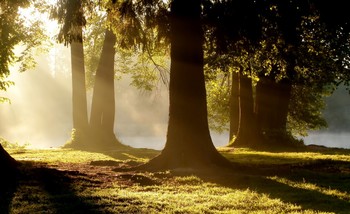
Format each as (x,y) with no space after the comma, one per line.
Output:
(316,180)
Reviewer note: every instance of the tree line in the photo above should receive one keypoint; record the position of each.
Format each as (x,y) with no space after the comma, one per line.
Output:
(266,65)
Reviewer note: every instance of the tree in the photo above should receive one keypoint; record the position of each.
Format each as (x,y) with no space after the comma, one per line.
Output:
(188,141)
(71,17)
(278,33)
(103,100)
(15,31)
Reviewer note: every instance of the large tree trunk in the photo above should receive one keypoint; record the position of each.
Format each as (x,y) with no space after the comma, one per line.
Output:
(188,139)
(80,118)
(264,102)
(272,109)
(283,96)
(234,106)
(248,134)
(8,169)
(103,100)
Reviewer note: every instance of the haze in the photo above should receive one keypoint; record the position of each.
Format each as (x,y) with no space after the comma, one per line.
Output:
(40,111)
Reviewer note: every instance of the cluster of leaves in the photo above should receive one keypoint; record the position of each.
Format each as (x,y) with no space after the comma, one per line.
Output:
(143,24)
(141,51)
(70,15)
(142,29)
(144,68)
(218,101)
(14,147)
(20,37)
(288,41)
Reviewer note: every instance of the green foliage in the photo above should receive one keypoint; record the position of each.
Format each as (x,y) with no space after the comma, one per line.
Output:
(141,29)
(305,59)
(142,24)
(305,112)
(218,101)
(70,15)
(146,69)
(13,147)
(93,42)
(144,60)
(21,38)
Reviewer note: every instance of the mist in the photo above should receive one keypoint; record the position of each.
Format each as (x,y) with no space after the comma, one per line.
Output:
(40,113)
(337,115)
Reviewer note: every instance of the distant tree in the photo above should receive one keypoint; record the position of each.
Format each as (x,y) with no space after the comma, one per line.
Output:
(98,132)
(103,99)
(278,33)
(70,16)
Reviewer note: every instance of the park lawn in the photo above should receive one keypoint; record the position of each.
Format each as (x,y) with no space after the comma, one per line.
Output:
(69,181)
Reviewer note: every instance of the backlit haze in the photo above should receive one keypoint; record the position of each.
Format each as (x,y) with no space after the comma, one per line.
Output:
(40,113)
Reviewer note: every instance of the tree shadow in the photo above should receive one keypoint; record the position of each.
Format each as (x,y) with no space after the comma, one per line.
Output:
(44,189)
(8,186)
(131,154)
(259,180)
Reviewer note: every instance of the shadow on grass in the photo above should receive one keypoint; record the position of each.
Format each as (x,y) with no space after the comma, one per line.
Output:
(306,182)
(8,188)
(299,190)
(132,154)
(47,190)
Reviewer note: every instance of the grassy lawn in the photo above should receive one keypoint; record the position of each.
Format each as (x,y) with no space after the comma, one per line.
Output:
(68,181)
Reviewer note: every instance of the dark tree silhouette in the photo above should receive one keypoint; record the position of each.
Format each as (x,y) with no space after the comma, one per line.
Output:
(7,164)
(188,141)
(271,21)
(234,105)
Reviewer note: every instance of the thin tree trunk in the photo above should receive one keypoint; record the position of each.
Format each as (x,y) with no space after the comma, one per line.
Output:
(80,118)
(188,139)
(234,106)
(248,134)
(103,100)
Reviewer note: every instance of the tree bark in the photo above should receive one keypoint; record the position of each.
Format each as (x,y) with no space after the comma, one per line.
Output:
(272,109)
(103,101)
(8,169)
(248,134)
(80,118)
(188,143)
(264,102)
(234,106)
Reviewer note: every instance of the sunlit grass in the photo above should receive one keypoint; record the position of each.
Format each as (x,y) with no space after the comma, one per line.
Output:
(76,156)
(260,158)
(69,183)
(60,155)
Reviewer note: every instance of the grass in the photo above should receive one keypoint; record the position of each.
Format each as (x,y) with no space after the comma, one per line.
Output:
(69,181)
